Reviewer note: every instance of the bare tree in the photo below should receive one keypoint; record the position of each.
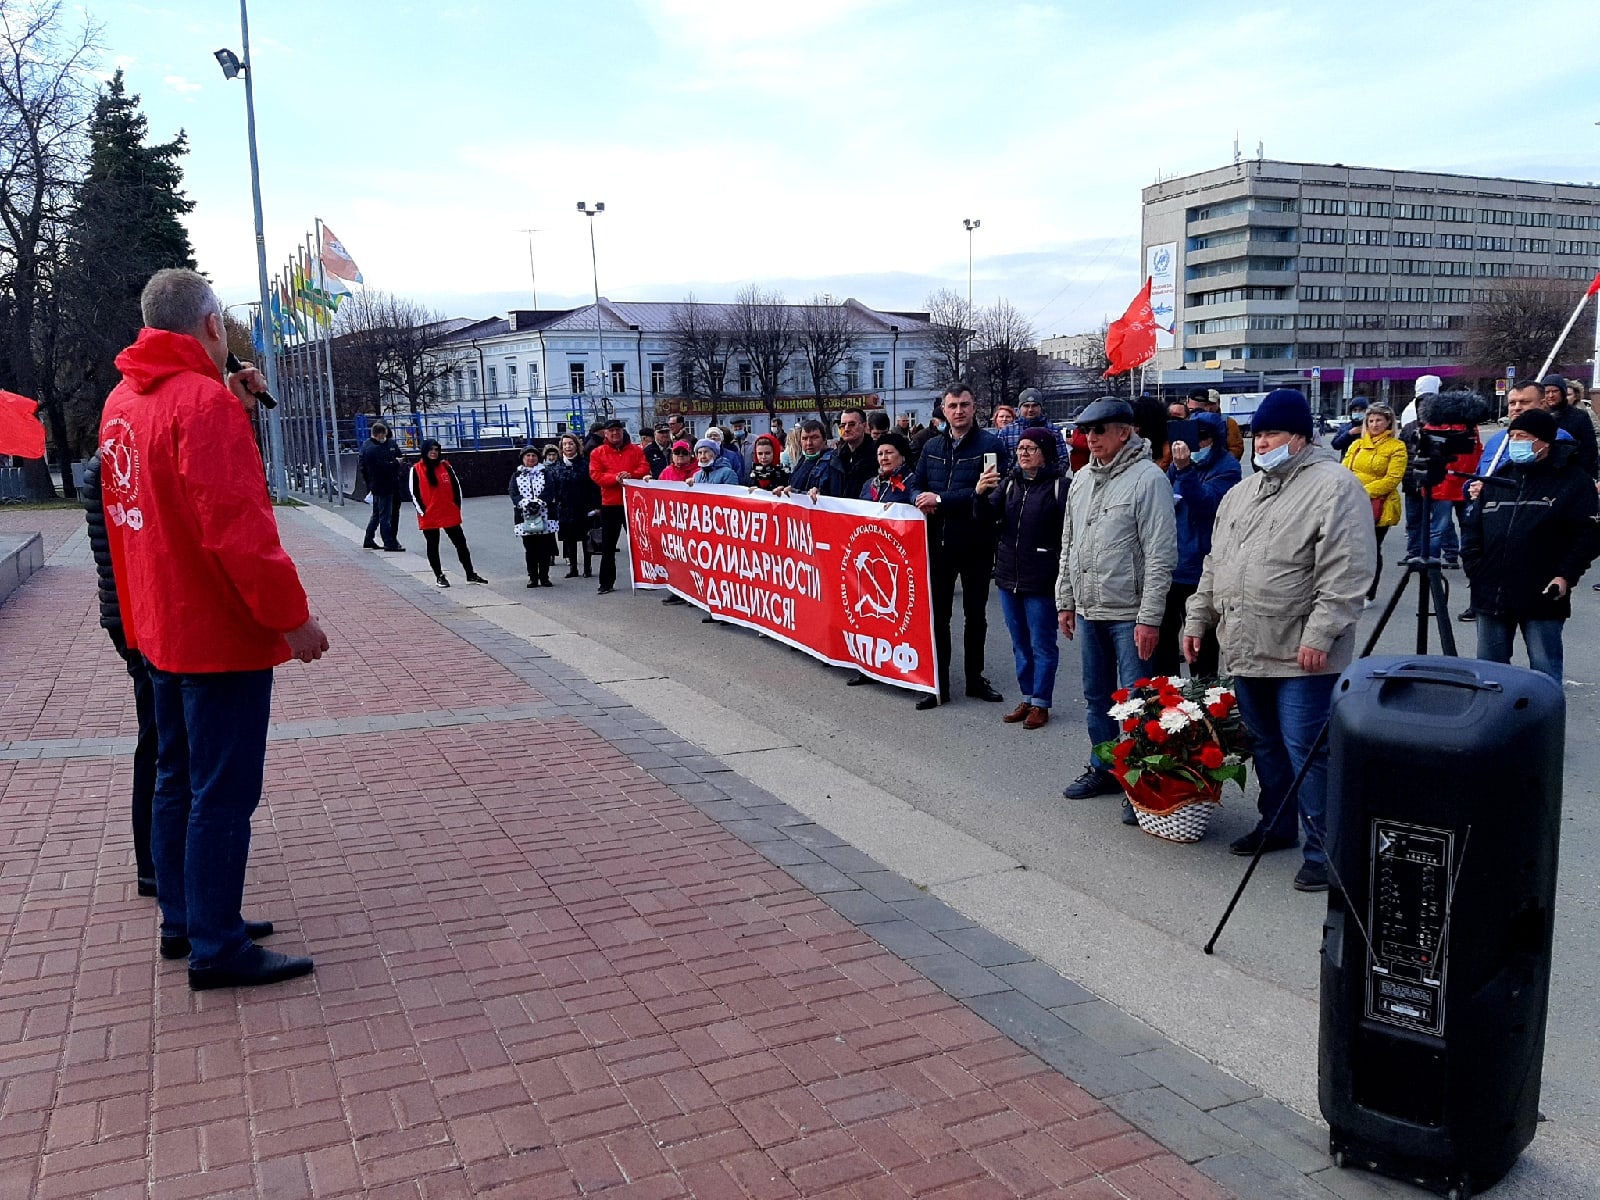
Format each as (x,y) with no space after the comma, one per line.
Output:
(950,328)
(386,354)
(1519,323)
(765,332)
(1004,359)
(825,337)
(45,107)
(701,343)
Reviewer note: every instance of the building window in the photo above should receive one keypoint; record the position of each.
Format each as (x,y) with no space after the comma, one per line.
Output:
(1367,295)
(1322,208)
(494,382)
(718,379)
(1452,267)
(1311,265)
(852,376)
(511,379)
(1317,291)
(746,377)
(1371,208)
(1494,243)
(1447,212)
(576,377)
(1314,233)
(879,367)
(1539,220)
(533,378)
(908,378)
(619,377)
(1414,212)
(472,385)
(658,378)
(1496,216)
(1413,240)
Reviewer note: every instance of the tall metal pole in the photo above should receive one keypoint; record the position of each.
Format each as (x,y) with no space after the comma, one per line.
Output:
(533,276)
(971,224)
(594,265)
(278,477)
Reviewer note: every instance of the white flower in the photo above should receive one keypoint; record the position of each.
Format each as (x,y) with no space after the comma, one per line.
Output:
(1174,719)
(1215,695)
(1128,708)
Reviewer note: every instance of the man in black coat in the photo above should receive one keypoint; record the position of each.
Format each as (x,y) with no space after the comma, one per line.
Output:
(1526,540)
(658,451)
(855,455)
(381,463)
(1575,421)
(952,471)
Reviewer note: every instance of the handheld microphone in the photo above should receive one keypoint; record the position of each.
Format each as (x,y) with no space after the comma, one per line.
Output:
(263,397)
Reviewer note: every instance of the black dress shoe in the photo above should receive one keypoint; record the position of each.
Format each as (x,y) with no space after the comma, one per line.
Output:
(1311,877)
(546,583)
(252,968)
(927,702)
(178,947)
(397,548)
(1466,614)
(1250,842)
(147,887)
(369,545)
(572,573)
(856,680)
(674,600)
(984,690)
(533,583)
(1093,782)
(605,591)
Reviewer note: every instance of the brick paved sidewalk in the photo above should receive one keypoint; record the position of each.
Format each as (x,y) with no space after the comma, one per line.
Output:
(541,970)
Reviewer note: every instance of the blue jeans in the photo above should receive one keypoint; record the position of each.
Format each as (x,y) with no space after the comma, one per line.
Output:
(385,517)
(1542,639)
(212,730)
(1031,620)
(1285,716)
(1442,539)
(1110,661)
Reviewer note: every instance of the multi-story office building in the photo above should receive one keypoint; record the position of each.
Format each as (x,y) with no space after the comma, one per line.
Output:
(1075,349)
(1370,275)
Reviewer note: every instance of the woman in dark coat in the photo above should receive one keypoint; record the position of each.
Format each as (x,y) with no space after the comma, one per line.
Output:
(1031,504)
(577,502)
(533,515)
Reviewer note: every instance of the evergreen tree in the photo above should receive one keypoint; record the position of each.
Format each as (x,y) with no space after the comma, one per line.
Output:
(127,224)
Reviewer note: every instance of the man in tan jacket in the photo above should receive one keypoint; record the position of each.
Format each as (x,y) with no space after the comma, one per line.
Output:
(1292,556)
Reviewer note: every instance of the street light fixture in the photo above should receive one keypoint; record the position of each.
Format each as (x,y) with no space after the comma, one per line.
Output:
(232,68)
(971,224)
(594,266)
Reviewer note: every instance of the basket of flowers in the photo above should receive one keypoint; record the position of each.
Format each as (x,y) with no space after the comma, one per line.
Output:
(1182,739)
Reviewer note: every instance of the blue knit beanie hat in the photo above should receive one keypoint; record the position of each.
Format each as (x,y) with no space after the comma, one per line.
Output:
(1283,411)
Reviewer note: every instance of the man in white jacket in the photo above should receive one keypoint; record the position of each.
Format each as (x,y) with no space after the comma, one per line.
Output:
(1292,555)
(1119,543)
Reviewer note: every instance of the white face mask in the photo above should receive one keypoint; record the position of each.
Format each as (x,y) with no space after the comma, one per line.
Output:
(1273,459)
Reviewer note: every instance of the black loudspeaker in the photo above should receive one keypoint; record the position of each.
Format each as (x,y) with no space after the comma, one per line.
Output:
(1444,812)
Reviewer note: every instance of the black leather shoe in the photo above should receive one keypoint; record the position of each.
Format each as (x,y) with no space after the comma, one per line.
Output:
(927,702)
(1466,614)
(252,968)
(147,887)
(1248,844)
(1093,782)
(369,545)
(397,548)
(605,591)
(178,947)
(1311,877)
(1129,817)
(674,600)
(471,578)
(984,690)
(856,680)
(571,574)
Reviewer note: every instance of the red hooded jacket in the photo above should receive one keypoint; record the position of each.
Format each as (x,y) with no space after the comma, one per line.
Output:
(203,581)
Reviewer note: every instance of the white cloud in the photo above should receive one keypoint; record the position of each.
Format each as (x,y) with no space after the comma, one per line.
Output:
(177,83)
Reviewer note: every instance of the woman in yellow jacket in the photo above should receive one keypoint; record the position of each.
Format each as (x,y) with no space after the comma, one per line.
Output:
(1378,459)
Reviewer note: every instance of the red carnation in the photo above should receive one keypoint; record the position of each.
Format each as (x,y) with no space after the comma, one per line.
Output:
(1217,710)
(1123,751)
(1120,696)
(1141,683)
(1154,732)
(1211,757)
(1171,699)
(1130,725)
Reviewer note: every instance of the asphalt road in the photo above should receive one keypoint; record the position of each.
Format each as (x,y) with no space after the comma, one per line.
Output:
(1003,785)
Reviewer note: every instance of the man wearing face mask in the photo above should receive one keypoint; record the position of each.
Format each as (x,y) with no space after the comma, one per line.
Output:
(1292,555)
(1201,476)
(1526,547)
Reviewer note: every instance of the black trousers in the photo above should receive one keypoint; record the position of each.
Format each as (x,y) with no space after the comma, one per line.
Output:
(610,530)
(1169,646)
(457,539)
(537,551)
(144,753)
(973,565)
(575,535)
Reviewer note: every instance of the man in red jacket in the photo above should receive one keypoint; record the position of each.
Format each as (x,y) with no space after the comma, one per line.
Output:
(612,461)
(212,601)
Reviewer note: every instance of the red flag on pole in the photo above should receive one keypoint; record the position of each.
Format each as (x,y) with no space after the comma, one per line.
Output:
(1131,339)
(20,431)
(1594,288)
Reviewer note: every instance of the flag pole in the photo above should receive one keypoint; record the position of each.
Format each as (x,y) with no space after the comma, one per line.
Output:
(327,444)
(327,355)
(1571,321)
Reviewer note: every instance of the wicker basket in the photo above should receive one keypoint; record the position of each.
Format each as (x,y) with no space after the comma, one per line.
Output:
(1186,824)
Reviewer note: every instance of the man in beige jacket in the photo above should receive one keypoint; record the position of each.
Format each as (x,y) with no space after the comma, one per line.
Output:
(1292,556)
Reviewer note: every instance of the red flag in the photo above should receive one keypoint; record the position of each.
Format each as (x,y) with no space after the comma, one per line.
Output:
(1594,288)
(1131,339)
(20,431)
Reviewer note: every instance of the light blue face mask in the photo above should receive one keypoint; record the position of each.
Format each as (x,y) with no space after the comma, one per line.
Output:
(1521,452)
(1201,456)
(1273,459)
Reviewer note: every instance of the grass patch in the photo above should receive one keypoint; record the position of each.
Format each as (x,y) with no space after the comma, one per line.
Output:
(40,505)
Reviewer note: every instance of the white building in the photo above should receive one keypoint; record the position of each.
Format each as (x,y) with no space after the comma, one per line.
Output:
(1075,349)
(535,372)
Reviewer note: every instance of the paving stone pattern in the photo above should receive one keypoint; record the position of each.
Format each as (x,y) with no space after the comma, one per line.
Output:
(543,967)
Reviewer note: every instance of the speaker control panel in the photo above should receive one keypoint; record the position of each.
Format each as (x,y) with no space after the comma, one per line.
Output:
(1408,922)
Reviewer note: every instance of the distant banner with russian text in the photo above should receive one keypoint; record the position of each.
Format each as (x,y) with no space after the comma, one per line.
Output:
(844,580)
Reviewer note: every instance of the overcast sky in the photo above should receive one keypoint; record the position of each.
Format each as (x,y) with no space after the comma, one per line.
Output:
(816,145)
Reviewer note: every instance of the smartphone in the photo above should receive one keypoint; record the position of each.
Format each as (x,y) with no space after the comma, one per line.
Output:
(1187,432)
(991,462)
(1553,590)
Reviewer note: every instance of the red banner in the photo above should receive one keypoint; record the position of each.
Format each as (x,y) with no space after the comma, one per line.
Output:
(844,580)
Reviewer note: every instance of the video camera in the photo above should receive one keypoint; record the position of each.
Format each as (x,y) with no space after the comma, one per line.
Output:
(1436,446)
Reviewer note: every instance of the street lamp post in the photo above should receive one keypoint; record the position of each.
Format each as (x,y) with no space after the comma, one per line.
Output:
(533,275)
(971,224)
(233,67)
(594,266)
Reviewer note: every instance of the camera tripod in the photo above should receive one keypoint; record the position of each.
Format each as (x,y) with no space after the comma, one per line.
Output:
(1429,577)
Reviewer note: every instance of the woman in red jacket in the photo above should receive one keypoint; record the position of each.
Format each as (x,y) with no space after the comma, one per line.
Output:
(436,492)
